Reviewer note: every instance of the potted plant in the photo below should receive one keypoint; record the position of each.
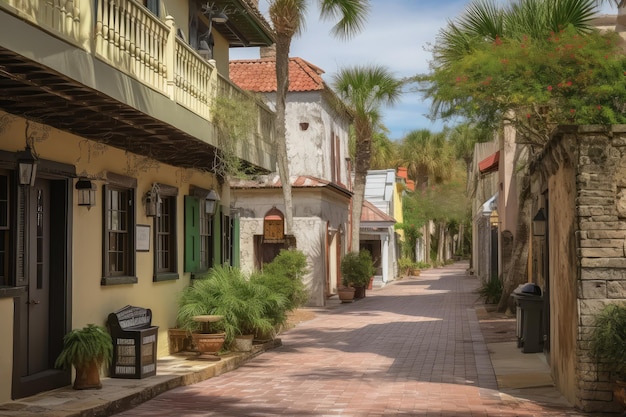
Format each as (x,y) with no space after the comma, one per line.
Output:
(607,343)
(357,270)
(87,349)
(244,305)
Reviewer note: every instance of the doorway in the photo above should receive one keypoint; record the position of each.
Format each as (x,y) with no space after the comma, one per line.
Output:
(43,266)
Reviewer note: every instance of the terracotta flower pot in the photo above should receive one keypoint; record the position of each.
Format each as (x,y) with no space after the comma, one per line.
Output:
(88,376)
(208,342)
(346,294)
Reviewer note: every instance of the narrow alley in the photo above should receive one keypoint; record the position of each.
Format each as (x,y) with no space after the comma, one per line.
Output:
(412,348)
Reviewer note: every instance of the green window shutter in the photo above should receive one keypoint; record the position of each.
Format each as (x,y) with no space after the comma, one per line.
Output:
(236,256)
(217,236)
(192,234)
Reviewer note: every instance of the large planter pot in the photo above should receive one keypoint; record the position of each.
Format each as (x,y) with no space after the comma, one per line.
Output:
(88,376)
(346,295)
(208,342)
(179,340)
(359,292)
(243,343)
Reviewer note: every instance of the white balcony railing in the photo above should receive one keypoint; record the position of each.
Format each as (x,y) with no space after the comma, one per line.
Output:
(127,36)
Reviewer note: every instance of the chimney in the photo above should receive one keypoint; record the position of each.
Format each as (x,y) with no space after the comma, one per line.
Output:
(268,51)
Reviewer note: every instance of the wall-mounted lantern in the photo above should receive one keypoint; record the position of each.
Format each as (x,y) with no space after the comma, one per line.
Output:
(211,202)
(27,167)
(152,201)
(86,193)
(539,223)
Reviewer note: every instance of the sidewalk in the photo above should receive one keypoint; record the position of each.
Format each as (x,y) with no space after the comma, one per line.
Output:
(498,369)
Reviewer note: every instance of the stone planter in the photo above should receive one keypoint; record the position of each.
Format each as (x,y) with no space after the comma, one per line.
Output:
(243,343)
(346,295)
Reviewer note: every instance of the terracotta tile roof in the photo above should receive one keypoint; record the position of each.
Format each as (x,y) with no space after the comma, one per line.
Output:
(371,213)
(259,75)
(273,181)
(490,163)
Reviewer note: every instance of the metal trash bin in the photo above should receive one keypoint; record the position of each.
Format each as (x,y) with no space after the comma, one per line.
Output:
(529,315)
(134,342)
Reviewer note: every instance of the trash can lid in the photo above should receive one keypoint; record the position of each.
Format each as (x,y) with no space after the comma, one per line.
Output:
(528,289)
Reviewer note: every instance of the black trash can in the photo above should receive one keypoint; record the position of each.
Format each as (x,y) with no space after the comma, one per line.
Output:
(529,316)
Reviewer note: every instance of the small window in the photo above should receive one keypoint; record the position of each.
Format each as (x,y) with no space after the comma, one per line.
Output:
(119,231)
(165,247)
(198,235)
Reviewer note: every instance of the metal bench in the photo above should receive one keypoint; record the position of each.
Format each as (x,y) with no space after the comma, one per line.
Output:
(134,342)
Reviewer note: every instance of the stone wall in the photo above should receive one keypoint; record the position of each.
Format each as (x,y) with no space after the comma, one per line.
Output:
(584,165)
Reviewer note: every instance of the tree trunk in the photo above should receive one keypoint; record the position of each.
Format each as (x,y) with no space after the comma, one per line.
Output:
(518,270)
(363,156)
(441,242)
(283,44)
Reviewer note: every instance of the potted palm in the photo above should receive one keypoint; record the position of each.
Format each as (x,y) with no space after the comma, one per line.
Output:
(243,304)
(356,272)
(87,349)
(607,343)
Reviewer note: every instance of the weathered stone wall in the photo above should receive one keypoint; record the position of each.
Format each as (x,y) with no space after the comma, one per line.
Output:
(588,164)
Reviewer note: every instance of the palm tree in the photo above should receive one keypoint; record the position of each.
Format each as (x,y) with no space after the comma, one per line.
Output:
(427,157)
(483,23)
(365,90)
(463,138)
(288,19)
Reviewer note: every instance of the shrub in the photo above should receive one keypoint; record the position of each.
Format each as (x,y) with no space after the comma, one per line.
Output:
(357,269)
(609,338)
(284,276)
(490,291)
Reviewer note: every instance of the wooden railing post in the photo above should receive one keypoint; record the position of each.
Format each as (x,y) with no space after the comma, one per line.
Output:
(170,58)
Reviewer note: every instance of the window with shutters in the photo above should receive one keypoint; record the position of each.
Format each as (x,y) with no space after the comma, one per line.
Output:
(198,235)
(165,235)
(119,231)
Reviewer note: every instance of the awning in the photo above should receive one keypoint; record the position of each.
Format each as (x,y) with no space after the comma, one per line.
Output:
(490,163)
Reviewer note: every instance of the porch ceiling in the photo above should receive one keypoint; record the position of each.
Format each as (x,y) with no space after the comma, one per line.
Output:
(35,92)
(245,25)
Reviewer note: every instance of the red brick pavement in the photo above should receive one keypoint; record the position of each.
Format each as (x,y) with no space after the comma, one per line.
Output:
(412,348)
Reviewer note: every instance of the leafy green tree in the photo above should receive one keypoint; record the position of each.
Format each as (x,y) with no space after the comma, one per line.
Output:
(364,89)
(288,18)
(533,64)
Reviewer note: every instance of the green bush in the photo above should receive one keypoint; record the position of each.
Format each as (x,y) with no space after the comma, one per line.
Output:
(608,339)
(490,291)
(405,265)
(284,276)
(225,291)
(357,269)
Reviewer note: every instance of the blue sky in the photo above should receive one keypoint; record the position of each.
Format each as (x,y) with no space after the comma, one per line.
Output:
(397,36)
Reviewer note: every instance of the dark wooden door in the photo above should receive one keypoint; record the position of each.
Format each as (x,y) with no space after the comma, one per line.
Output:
(38,274)
(42,311)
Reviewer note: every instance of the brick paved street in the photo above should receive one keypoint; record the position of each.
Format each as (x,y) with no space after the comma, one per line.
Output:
(412,348)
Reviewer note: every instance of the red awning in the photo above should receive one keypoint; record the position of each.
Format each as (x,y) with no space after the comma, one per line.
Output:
(490,163)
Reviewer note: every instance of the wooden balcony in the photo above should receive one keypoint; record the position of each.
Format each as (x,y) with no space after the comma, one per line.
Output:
(111,70)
